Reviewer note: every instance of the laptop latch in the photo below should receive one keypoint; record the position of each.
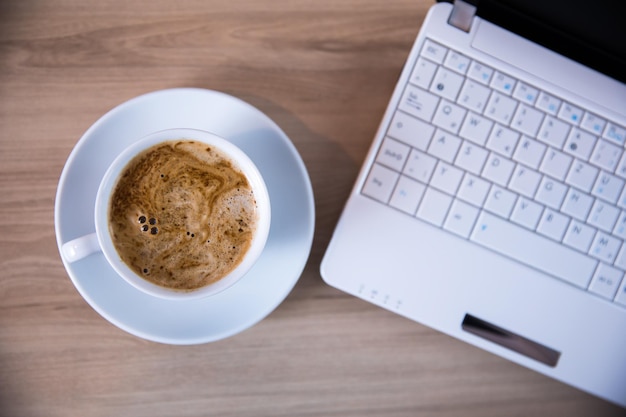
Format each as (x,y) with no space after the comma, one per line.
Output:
(462,15)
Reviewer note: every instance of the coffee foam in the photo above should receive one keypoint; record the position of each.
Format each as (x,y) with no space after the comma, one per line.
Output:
(182,215)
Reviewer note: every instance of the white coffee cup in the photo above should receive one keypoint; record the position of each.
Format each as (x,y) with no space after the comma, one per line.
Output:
(101,240)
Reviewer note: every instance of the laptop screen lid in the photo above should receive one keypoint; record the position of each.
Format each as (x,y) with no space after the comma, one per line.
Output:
(396,261)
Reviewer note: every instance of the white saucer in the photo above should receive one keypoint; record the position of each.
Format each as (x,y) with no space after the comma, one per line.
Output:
(274,274)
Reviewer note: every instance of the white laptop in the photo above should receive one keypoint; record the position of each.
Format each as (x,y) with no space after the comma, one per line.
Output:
(492,205)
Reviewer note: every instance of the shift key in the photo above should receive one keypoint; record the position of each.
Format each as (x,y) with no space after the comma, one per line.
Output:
(533,250)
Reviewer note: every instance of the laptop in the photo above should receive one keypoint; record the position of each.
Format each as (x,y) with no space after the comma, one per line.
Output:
(491,205)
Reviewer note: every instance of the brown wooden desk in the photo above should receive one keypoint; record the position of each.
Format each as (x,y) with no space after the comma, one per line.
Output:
(324,71)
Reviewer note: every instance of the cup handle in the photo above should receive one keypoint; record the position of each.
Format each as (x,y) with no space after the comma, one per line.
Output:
(81,247)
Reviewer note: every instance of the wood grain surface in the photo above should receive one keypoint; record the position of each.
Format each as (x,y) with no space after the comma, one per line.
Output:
(324,71)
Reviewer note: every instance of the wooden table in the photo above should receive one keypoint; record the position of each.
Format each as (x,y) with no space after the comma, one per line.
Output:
(324,71)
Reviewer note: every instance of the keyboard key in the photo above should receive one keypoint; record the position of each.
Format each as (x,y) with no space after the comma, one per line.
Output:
(444,145)
(418,103)
(556,164)
(606,155)
(608,187)
(525,181)
(621,167)
(527,120)
(553,132)
(449,116)
(525,93)
(461,218)
(620,297)
(407,195)
(457,62)
(446,84)
(551,193)
(603,215)
(582,175)
(579,143)
(548,103)
(410,130)
(498,169)
(476,128)
(473,190)
(474,96)
(500,108)
(615,133)
(503,140)
(570,113)
(605,247)
(605,281)
(529,152)
(392,154)
(503,83)
(620,227)
(500,201)
(434,51)
(446,178)
(533,250)
(553,224)
(380,183)
(577,204)
(622,199)
(423,73)
(420,166)
(620,261)
(471,157)
(527,213)
(434,207)
(579,236)
(593,123)
(480,72)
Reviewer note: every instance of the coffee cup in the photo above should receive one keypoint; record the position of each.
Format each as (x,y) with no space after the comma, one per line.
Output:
(179,214)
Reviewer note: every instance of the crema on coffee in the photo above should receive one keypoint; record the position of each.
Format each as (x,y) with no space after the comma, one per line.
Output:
(182,215)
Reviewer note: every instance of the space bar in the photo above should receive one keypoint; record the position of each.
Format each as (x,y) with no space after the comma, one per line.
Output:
(533,250)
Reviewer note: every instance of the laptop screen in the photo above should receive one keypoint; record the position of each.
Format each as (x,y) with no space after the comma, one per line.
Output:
(590,32)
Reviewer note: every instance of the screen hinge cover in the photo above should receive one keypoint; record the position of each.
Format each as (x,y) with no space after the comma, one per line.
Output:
(462,15)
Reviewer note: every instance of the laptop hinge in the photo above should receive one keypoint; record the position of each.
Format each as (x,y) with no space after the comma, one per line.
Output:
(462,15)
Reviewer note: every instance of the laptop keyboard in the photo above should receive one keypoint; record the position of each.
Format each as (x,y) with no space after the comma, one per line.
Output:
(510,167)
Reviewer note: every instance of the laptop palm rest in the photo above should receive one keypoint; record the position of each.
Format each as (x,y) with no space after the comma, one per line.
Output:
(510,340)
